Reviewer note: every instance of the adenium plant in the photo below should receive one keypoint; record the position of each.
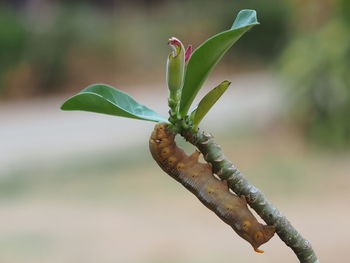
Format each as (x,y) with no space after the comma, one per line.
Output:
(185,73)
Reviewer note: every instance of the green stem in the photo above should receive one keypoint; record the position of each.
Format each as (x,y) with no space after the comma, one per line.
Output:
(226,170)
(173,103)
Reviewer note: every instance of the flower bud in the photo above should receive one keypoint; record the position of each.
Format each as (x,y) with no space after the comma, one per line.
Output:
(175,70)
(188,53)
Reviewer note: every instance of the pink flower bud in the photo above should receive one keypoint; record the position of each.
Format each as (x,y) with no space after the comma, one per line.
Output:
(188,53)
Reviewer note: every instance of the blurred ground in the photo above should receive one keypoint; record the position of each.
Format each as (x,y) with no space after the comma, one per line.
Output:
(81,187)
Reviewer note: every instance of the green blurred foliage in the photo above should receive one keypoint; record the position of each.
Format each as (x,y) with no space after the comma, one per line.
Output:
(38,48)
(13,36)
(317,64)
(61,46)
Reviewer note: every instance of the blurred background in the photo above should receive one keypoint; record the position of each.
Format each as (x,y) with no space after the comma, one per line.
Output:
(82,187)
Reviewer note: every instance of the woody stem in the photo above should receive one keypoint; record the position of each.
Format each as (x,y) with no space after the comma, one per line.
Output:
(226,170)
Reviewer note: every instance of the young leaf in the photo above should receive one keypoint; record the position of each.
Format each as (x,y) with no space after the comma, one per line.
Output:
(209,53)
(208,102)
(105,99)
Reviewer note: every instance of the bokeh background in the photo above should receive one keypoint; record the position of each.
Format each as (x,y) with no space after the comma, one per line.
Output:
(82,187)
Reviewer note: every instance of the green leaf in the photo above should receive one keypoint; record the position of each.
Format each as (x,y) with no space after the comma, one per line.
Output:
(209,53)
(208,102)
(105,99)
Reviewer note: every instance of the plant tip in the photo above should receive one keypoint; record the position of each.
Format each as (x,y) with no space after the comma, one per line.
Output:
(176,46)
